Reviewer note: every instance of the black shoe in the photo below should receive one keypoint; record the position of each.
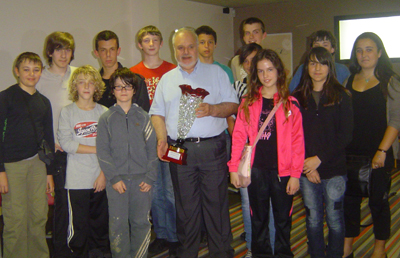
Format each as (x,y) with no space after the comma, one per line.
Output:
(157,246)
(203,239)
(96,253)
(173,248)
(243,236)
(350,255)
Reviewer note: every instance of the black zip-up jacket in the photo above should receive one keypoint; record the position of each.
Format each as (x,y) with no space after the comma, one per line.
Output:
(17,134)
(328,129)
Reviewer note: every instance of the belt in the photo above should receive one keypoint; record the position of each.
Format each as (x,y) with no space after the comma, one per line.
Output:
(199,139)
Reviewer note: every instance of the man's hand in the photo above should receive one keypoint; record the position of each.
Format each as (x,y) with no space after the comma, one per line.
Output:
(50,184)
(119,187)
(3,183)
(162,147)
(235,179)
(293,186)
(204,110)
(144,187)
(100,183)
(231,124)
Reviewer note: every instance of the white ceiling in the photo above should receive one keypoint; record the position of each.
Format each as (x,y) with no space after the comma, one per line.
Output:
(238,3)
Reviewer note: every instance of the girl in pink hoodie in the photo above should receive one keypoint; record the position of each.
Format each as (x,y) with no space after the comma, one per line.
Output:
(278,157)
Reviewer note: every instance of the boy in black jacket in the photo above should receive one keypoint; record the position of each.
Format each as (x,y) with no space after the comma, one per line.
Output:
(25,120)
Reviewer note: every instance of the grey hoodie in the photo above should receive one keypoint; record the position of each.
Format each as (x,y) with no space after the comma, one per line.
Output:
(127,145)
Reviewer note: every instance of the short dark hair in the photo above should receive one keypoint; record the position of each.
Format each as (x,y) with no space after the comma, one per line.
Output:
(32,57)
(208,31)
(126,76)
(322,35)
(150,29)
(250,20)
(246,50)
(58,40)
(105,35)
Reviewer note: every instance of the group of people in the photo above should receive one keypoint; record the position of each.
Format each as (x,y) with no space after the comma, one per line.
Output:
(105,166)
(328,120)
(110,130)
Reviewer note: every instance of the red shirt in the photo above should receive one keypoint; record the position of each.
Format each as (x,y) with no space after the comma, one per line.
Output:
(152,76)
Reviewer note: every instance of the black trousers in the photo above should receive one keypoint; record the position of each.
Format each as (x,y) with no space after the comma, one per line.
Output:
(201,192)
(89,217)
(266,185)
(378,204)
(60,219)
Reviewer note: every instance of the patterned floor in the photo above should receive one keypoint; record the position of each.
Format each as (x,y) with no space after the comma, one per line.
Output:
(363,244)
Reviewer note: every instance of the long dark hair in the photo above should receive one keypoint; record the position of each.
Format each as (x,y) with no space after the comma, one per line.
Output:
(247,50)
(255,84)
(383,70)
(332,89)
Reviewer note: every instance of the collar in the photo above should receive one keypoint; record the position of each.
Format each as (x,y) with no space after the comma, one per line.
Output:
(276,96)
(119,109)
(196,67)
(102,69)
(50,74)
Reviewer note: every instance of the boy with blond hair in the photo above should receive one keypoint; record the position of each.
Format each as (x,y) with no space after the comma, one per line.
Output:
(152,68)
(85,182)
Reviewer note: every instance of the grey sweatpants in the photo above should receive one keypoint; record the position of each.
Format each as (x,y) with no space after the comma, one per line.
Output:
(130,228)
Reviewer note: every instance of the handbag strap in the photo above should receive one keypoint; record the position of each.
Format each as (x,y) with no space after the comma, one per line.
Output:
(270,115)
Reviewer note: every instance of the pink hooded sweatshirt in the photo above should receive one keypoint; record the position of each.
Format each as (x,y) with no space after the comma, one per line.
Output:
(290,138)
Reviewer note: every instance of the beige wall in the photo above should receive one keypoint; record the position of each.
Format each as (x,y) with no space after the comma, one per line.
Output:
(302,17)
(25,24)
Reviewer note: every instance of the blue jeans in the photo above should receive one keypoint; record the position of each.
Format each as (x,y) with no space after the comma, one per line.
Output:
(246,215)
(331,193)
(163,205)
(247,220)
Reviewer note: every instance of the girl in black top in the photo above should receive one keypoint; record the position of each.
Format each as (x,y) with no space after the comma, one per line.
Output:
(328,123)
(376,103)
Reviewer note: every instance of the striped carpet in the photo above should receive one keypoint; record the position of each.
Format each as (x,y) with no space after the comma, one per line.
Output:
(363,245)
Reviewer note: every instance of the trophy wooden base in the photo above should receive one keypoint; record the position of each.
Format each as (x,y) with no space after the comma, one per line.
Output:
(176,154)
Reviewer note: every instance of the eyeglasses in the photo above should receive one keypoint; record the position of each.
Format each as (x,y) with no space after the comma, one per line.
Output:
(127,87)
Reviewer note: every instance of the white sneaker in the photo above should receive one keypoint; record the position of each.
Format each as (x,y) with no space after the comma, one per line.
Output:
(248,254)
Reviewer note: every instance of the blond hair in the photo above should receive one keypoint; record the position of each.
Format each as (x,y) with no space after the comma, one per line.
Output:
(92,73)
(150,29)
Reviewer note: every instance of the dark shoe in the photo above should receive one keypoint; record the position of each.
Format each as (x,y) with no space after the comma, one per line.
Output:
(243,236)
(203,239)
(173,248)
(157,246)
(95,253)
(108,255)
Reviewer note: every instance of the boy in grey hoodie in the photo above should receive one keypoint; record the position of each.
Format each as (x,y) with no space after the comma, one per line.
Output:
(127,154)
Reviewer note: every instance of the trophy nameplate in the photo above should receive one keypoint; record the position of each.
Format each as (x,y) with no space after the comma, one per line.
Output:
(176,153)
